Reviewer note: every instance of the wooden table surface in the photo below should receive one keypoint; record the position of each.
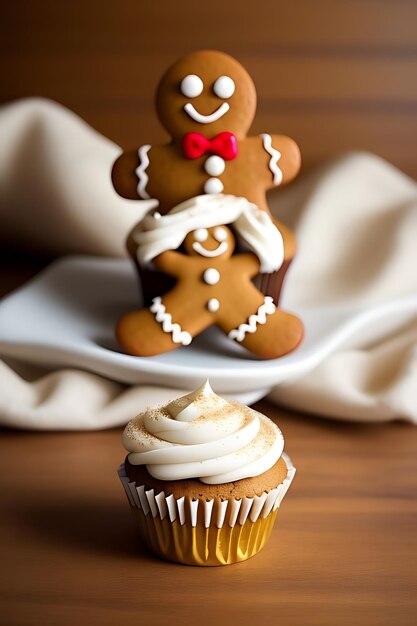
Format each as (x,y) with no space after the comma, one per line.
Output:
(343,550)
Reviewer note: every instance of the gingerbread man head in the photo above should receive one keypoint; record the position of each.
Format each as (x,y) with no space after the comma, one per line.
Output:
(207,102)
(206,91)
(210,243)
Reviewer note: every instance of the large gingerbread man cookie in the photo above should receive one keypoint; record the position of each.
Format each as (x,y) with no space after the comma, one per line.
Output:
(207,101)
(210,174)
(213,286)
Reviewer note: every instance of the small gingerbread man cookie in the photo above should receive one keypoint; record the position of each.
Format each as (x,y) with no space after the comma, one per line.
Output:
(213,286)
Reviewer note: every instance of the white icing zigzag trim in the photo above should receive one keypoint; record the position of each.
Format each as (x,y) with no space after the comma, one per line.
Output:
(275,157)
(267,308)
(164,318)
(140,171)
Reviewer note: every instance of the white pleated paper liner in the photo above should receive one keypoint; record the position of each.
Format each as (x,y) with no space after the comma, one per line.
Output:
(232,511)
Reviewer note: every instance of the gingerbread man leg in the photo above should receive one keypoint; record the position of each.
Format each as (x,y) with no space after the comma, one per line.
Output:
(161,328)
(268,332)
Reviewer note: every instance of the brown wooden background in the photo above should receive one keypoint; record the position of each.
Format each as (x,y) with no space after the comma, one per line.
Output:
(336,75)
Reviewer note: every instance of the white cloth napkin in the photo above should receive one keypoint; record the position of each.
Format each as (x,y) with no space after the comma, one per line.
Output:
(356,223)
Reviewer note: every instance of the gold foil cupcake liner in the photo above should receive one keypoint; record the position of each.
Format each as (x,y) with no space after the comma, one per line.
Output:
(211,532)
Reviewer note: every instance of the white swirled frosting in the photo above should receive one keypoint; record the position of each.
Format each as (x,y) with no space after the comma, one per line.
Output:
(157,233)
(203,436)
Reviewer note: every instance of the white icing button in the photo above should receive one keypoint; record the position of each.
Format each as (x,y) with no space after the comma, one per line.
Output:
(224,87)
(191,86)
(213,185)
(214,166)
(211,276)
(213,305)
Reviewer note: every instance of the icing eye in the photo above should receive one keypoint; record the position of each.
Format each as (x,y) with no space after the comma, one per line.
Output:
(200,234)
(220,234)
(224,87)
(191,86)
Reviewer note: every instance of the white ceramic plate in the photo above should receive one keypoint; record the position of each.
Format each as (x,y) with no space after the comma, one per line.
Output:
(66,316)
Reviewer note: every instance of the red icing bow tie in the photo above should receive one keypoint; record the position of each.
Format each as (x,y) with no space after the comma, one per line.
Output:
(224,145)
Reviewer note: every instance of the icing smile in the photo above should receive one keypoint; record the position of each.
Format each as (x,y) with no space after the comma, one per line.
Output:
(210,253)
(206,119)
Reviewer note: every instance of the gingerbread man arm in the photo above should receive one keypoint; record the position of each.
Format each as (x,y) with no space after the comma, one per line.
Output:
(247,262)
(132,173)
(171,262)
(289,163)
(123,175)
(283,164)
(284,159)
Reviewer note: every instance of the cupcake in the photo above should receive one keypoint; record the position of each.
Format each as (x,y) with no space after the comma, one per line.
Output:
(204,478)
(153,283)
